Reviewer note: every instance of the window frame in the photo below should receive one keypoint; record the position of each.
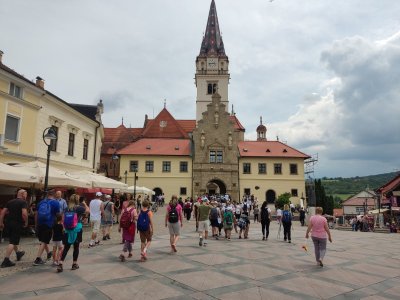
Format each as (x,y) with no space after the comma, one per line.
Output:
(18,120)
(183,170)
(183,191)
(246,164)
(149,166)
(166,166)
(85,149)
(212,88)
(260,169)
(132,164)
(293,173)
(71,143)
(278,167)
(13,88)
(294,192)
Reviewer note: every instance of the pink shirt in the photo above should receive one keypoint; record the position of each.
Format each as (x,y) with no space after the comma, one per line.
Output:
(318,226)
(178,209)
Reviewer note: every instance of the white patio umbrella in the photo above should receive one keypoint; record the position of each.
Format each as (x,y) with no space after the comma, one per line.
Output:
(100,181)
(139,190)
(10,175)
(57,177)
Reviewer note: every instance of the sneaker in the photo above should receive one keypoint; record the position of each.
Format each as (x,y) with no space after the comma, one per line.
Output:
(130,255)
(49,255)
(122,258)
(289,241)
(91,245)
(60,268)
(104,238)
(201,242)
(75,267)
(20,254)
(54,264)
(7,263)
(97,243)
(38,262)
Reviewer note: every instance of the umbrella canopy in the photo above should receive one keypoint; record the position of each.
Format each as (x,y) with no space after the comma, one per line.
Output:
(17,177)
(139,190)
(100,181)
(57,177)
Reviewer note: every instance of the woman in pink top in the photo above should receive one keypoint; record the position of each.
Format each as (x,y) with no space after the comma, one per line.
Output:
(319,232)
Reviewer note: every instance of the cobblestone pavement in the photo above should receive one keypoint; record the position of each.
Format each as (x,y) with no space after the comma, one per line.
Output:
(358,265)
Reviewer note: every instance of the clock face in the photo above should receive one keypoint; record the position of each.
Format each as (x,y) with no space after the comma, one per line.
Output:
(212,63)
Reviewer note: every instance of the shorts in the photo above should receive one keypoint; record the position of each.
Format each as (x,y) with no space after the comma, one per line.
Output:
(204,225)
(14,233)
(45,233)
(58,244)
(145,236)
(95,225)
(174,228)
(214,223)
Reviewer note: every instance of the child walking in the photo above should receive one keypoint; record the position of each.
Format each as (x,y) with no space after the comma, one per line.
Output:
(128,226)
(256,213)
(58,234)
(145,228)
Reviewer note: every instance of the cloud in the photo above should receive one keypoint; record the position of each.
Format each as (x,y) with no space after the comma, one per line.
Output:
(357,116)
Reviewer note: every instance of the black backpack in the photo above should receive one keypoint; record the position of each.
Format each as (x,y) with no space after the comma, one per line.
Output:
(173,215)
(264,214)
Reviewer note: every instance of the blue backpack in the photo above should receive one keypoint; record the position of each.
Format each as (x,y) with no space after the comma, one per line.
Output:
(44,212)
(143,222)
(287,216)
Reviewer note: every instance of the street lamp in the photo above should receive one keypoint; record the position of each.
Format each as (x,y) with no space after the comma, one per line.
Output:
(134,182)
(114,158)
(126,176)
(49,135)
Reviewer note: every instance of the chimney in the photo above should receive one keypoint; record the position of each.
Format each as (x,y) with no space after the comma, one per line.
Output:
(1,57)
(40,82)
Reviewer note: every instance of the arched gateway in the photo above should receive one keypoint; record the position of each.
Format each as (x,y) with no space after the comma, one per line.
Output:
(216,186)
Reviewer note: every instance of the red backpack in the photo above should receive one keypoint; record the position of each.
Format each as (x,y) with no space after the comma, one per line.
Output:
(126,218)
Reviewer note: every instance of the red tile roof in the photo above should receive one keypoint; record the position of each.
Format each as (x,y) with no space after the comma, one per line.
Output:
(268,149)
(237,123)
(164,126)
(187,125)
(118,138)
(390,185)
(158,146)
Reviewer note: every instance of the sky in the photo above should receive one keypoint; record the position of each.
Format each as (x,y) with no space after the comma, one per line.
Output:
(323,74)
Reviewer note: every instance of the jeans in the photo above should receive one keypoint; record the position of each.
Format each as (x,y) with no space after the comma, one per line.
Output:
(319,248)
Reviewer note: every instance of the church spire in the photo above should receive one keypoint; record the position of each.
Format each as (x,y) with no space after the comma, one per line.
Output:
(212,41)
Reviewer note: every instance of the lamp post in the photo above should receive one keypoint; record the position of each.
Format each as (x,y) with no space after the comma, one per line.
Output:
(48,134)
(126,176)
(114,158)
(134,183)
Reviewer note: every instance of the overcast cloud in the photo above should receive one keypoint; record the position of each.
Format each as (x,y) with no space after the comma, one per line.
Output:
(324,74)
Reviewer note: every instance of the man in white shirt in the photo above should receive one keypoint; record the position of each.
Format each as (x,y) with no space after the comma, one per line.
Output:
(96,211)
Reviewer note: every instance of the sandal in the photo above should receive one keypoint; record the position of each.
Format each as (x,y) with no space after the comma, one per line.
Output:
(75,267)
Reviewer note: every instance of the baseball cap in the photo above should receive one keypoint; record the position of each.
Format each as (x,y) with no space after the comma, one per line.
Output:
(205,199)
(108,196)
(99,194)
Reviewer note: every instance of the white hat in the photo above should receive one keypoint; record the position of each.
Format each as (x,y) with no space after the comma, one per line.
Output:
(108,196)
(99,194)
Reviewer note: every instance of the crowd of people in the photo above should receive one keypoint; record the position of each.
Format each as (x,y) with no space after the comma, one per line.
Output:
(61,222)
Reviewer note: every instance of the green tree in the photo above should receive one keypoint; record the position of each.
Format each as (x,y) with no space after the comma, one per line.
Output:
(282,200)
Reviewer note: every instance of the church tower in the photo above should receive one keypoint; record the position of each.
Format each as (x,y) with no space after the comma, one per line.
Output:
(212,73)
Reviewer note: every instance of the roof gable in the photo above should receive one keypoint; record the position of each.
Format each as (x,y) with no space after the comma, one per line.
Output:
(164,126)
(268,149)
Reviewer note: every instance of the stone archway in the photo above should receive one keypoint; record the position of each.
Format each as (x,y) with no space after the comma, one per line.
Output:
(270,195)
(216,186)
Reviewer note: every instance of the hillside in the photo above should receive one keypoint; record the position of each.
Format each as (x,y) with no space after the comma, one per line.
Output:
(353,185)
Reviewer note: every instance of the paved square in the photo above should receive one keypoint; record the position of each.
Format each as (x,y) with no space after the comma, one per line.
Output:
(357,266)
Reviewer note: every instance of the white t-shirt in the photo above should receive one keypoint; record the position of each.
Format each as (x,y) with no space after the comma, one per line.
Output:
(95,212)
(279,212)
(238,209)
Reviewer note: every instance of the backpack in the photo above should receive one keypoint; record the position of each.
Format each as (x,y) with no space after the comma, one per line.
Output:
(70,219)
(286,216)
(188,205)
(44,212)
(173,215)
(214,213)
(126,218)
(242,223)
(143,222)
(228,218)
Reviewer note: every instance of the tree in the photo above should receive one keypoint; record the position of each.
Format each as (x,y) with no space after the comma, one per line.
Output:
(282,200)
